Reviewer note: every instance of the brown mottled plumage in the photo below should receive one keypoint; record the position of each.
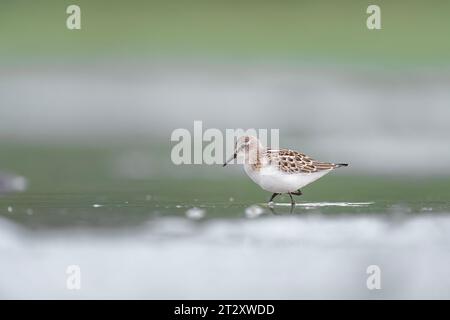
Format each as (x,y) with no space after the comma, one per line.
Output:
(290,161)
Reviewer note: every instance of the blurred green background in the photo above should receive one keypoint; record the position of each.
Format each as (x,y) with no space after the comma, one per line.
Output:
(413,32)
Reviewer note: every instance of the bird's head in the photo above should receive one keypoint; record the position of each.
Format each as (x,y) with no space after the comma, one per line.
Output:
(245,145)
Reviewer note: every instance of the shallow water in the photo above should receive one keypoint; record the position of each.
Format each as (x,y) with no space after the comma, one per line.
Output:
(206,232)
(142,245)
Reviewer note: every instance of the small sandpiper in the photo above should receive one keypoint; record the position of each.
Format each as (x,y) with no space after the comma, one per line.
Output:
(279,171)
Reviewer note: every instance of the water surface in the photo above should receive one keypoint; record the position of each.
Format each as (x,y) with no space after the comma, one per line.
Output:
(217,238)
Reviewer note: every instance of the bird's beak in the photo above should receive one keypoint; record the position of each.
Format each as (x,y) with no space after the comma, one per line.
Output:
(231,159)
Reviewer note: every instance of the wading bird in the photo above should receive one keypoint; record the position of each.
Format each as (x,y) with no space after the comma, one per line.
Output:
(279,171)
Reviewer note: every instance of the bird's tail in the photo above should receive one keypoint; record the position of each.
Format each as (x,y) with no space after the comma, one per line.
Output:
(338,165)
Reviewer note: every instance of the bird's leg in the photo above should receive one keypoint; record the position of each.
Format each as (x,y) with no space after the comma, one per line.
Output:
(273,196)
(292,199)
(297,193)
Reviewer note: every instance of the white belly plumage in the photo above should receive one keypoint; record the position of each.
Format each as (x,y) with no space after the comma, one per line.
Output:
(273,180)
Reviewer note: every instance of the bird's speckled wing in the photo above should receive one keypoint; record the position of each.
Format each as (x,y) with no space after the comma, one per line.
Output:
(290,161)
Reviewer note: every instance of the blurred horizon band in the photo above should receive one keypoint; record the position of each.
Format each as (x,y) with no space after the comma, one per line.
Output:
(305,31)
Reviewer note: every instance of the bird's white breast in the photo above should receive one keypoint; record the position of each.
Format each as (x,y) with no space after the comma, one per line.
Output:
(271,179)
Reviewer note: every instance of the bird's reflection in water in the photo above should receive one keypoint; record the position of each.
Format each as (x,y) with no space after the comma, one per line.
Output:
(275,210)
